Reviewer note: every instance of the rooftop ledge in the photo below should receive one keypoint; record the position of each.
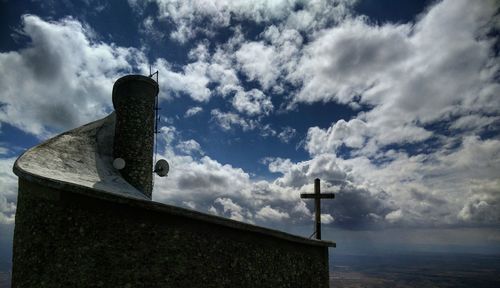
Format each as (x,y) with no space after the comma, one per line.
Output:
(80,161)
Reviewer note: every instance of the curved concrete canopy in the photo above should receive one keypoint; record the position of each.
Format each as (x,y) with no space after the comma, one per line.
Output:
(81,157)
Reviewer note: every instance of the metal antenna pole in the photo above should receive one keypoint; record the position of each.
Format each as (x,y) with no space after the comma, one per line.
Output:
(157,120)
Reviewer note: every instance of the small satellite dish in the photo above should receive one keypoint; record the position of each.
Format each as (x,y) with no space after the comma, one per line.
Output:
(162,168)
(119,163)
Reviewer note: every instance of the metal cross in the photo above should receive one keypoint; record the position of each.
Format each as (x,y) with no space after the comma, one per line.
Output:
(317,204)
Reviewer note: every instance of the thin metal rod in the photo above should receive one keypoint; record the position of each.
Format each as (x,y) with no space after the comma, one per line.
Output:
(157,120)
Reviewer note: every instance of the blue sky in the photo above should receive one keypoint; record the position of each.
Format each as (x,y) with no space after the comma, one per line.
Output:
(393,104)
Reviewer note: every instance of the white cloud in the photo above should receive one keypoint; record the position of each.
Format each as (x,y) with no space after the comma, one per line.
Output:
(62,79)
(226,120)
(351,134)
(192,80)
(253,102)
(278,164)
(195,17)
(149,28)
(266,130)
(453,186)
(234,210)
(474,122)
(269,213)
(222,65)
(213,210)
(200,180)
(326,218)
(8,193)
(265,61)
(189,204)
(192,111)
(224,190)
(434,188)
(287,48)
(441,67)
(3,151)
(483,205)
(338,64)
(394,216)
(355,201)
(258,62)
(168,134)
(228,204)
(445,56)
(189,147)
(229,120)
(302,173)
(287,134)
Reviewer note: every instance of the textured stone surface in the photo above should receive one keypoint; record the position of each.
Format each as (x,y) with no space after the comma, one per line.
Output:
(134,103)
(65,239)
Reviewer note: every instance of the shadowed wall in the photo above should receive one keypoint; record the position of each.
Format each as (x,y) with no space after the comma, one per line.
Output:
(85,239)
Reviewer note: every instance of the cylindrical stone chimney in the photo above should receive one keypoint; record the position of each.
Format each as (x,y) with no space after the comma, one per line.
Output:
(134,103)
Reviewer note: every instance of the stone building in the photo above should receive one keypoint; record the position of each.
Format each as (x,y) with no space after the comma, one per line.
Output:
(80,222)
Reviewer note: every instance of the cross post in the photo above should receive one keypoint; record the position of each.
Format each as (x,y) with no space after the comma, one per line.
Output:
(317,196)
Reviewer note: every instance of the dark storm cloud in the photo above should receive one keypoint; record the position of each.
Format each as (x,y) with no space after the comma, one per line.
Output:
(357,208)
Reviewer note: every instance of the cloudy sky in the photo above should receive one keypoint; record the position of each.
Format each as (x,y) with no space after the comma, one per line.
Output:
(395,105)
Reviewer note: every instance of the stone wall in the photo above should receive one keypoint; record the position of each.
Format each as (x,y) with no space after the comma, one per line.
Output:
(80,238)
(134,102)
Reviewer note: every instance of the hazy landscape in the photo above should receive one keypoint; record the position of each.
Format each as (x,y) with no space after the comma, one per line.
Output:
(5,267)
(419,270)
